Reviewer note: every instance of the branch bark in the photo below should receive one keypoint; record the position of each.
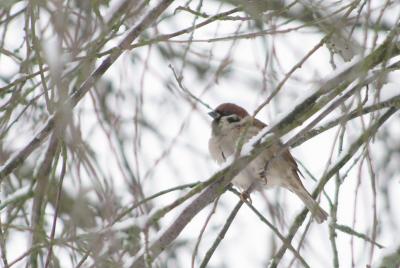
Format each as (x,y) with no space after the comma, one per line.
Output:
(41,188)
(352,150)
(77,95)
(299,115)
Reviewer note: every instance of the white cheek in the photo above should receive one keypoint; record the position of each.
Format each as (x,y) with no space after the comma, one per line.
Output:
(227,126)
(224,125)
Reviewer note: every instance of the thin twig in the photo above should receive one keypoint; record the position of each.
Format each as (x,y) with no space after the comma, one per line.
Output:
(221,234)
(332,231)
(3,248)
(166,37)
(185,90)
(351,231)
(78,94)
(53,228)
(274,229)
(203,229)
(343,160)
(147,199)
(41,188)
(287,76)
(392,102)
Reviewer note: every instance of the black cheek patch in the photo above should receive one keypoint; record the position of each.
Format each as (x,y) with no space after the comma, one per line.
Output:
(233,119)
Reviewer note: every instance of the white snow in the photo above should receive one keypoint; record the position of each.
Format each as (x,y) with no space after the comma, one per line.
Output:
(140,222)
(17,194)
(260,137)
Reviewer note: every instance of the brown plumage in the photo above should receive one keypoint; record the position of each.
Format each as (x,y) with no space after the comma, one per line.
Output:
(267,170)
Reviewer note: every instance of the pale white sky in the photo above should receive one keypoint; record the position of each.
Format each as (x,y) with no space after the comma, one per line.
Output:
(247,242)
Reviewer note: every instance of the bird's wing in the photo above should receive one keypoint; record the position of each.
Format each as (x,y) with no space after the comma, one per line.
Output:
(286,154)
(289,158)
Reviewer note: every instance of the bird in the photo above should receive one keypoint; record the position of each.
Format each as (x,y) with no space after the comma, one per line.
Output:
(274,167)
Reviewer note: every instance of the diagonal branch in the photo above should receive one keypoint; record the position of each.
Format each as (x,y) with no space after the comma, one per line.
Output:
(38,201)
(352,150)
(392,102)
(299,115)
(221,234)
(78,94)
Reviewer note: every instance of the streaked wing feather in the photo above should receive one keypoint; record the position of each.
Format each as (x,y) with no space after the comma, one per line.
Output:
(286,154)
(289,158)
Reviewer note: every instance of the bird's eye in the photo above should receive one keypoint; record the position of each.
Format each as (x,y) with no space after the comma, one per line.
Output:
(233,119)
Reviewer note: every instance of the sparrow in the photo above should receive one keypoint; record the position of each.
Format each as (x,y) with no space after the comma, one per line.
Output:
(232,125)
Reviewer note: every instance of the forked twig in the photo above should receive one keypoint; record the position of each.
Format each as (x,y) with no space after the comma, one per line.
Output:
(185,90)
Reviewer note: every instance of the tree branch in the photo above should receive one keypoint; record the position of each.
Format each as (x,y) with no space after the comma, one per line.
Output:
(300,114)
(351,151)
(77,95)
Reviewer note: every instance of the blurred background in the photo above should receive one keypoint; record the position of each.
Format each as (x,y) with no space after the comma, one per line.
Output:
(71,200)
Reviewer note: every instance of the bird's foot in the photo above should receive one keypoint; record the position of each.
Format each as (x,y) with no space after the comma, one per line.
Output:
(263,174)
(245,197)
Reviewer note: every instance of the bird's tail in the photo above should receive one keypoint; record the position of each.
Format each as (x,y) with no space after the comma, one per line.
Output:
(318,213)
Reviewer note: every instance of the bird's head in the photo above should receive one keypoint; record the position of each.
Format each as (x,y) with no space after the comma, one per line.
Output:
(227,116)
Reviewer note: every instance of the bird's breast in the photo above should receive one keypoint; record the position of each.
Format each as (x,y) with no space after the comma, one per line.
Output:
(263,170)
(221,147)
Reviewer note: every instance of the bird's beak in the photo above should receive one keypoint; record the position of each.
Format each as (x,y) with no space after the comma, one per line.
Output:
(214,114)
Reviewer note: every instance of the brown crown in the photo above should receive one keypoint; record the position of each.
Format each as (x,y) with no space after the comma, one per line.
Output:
(230,108)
